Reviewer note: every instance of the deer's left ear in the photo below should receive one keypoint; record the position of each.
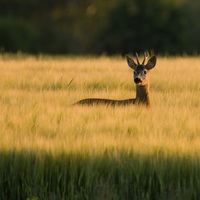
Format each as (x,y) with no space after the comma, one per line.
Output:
(131,62)
(151,63)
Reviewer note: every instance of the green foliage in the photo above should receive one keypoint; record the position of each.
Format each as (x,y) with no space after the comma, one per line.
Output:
(147,24)
(116,26)
(17,35)
(28,175)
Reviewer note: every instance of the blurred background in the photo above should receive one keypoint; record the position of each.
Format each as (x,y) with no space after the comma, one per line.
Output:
(96,27)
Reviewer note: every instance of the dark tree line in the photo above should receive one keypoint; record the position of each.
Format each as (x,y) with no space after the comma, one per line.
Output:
(96,27)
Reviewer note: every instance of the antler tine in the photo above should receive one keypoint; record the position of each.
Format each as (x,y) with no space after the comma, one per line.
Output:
(137,58)
(146,55)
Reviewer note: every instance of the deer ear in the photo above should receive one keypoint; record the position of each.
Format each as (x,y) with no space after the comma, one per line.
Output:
(131,62)
(151,63)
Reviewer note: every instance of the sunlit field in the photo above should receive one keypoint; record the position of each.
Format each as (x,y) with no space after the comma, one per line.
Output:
(51,149)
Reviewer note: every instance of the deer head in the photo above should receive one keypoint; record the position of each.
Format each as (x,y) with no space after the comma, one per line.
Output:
(141,70)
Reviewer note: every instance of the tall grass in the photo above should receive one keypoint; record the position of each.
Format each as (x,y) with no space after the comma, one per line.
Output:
(52,150)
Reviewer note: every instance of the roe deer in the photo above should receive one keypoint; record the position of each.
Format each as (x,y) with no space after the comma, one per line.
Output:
(141,79)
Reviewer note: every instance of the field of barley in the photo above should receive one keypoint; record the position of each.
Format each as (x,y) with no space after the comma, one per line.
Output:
(50,149)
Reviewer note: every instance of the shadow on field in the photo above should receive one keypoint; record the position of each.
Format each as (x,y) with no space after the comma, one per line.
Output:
(39,175)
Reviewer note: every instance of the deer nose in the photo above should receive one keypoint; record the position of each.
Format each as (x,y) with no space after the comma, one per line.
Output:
(137,80)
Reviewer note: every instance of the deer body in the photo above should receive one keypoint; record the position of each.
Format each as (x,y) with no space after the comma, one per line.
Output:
(111,102)
(141,80)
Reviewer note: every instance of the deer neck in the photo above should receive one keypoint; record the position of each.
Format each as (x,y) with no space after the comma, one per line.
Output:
(142,94)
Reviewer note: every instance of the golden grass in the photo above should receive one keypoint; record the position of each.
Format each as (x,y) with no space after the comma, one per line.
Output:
(36,112)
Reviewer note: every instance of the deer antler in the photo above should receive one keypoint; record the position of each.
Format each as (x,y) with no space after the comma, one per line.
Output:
(146,55)
(137,58)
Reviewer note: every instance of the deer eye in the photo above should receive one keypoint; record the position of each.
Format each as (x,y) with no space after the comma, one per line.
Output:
(145,72)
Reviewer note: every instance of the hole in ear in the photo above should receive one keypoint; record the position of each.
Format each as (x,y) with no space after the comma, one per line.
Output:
(130,62)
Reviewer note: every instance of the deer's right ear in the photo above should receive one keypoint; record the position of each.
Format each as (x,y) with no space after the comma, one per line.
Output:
(131,62)
(151,63)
